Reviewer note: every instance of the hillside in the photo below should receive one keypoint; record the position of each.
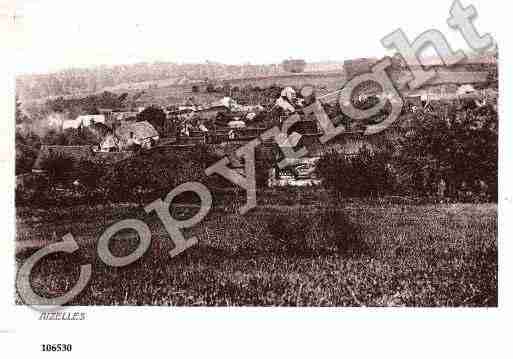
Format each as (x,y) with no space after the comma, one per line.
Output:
(143,76)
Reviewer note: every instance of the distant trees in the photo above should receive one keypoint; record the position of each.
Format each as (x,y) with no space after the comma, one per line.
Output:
(294,66)
(89,104)
(76,81)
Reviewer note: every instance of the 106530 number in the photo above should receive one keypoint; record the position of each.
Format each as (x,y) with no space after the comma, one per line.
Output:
(56,347)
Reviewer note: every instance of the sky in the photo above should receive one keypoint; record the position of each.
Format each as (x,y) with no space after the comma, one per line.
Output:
(51,35)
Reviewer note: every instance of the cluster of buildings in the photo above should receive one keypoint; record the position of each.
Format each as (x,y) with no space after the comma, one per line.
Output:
(227,121)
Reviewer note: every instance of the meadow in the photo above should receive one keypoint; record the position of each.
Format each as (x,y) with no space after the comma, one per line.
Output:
(313,253)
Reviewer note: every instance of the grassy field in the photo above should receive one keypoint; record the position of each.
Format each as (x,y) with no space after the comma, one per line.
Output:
(348,254)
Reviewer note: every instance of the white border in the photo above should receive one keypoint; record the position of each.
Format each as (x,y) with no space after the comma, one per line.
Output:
(253,332)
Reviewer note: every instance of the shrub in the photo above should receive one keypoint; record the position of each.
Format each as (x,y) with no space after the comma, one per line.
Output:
(338,231)
(364,175)
(32,191)
(290,233)
(57,165)
(90,173)
(25,158)
(155,174)
(153,115)
(314,233)
(461,147)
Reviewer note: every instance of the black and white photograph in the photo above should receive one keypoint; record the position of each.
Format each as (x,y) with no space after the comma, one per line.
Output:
(270,156)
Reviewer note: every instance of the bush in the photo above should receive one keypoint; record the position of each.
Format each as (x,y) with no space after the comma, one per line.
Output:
(460,148)
(57,165)
(25,158)
(317,232)
(364,175)
(33,190)
(290,233)
(153,115)
(90,173)
(153,174)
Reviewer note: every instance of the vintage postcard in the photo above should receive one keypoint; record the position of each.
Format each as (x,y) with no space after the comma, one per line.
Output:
(234,155)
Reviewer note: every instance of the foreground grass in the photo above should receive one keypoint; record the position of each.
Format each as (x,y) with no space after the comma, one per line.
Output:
(432,255)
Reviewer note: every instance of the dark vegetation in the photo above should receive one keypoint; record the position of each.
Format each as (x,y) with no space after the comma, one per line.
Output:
(300,247)
(86,105)
(318,232)
(38,131)
(153,174)
(155,116)
(25,158)
(460,147)
(364,175)
(454,142)
(140,179)
(366,237)
(247,94)
(374,255)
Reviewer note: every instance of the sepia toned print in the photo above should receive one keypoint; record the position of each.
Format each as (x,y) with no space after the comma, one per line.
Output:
(362,182)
